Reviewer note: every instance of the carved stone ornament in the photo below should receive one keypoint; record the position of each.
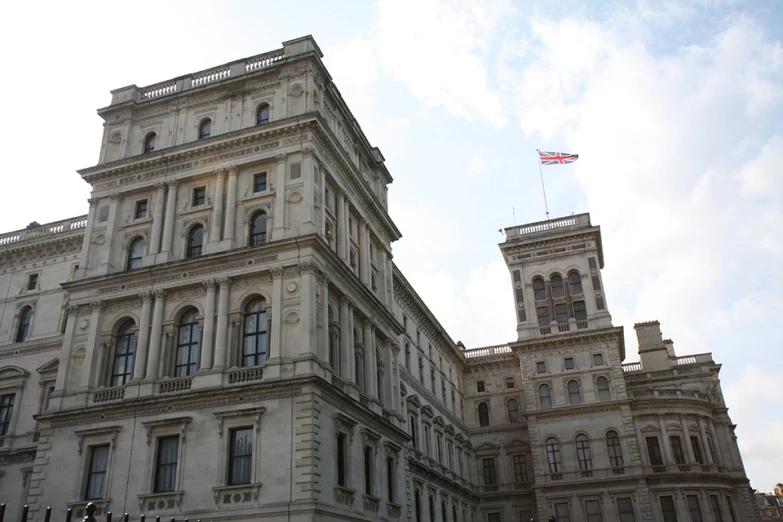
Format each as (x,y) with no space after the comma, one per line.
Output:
(128,238)
(277,272)
(159,294)
(281,158)
(189,293)
(125,305)
(96,306)
(187,225)
(250,212)
(253,282)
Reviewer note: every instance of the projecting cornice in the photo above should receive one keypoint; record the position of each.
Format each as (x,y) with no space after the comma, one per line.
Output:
(612,334)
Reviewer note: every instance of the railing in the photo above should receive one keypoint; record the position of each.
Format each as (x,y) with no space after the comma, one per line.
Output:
(546,330)
(618,471)
(659,469)
(161,89)
(245,375)
(35,230)
(179,384)
(632,367)
(260,62)
(212,76)
(581,325)
(109,394)
(488,350)
(545,226)
(563,328)
(90,511)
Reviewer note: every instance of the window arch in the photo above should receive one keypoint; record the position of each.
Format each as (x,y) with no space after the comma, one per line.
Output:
(135,252)
(254,336)
(258,228)
(602,383)
(574,394)
(575,282)
(583,453)
(124,353)
(25,317)
(556,283)
(545,396)
(262,114)
(553,455)
(614,449)
(205,129)
(187,344)
(483,411)
(513,410)
(539,289)
(149,142)
(195,242)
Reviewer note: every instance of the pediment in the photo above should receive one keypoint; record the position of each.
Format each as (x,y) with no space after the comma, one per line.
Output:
(13,372)
(413,402)
(487,447)
(438,421)
(458,437)
(50,367)
(427,410)
(650,428)
(673,427)
(516,444)
(449,430)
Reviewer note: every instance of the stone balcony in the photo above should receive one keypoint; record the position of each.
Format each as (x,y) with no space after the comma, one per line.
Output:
(547,227)
(678,366)
(34,231)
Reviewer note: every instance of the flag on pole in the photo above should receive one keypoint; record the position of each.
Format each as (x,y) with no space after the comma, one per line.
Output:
(556,158)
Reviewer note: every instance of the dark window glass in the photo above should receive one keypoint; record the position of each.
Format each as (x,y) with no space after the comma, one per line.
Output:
(124,352)
(513,410)
(569,363)
(96,474)
(199,196)
(413,431)
(149,142)
(602,383)
(696,449)
(432,508)
(135,252)
(654,451)
(543,316)
(520,469)
(258,229)
(668,510)
(575,280)
(615,449)
(483,414)
(553,455)
(368,470)
(205,129)
(141,209)
(556,282)
(716,513)
(583,453)
(240,457)
(23,329)
(574,396)
(341,459)
(262,115)
(6,409)
(259,182)
(32,282)
(562,513)
(580,311)
(693,508)
(480,387)
(390,478)
(545,395)
(625,509)
(254,353)
(494,517)
(593,511)
(598,359)
(187,344)
(490,472)
(541,367)
(195,242)
(539,289)
(676,443)
(561,313)
(418,505)
(509,382)
(166,464)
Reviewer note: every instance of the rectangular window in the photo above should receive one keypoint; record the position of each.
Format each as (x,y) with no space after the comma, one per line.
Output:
(569,363)
(199,196)
(718,516)
(625,509)
(166,464)
(561,313)
(341,458)
(427,440)
(679,457)
(696,449)
(654,451)
(390,477)
(490,473)
(296,170)
(580,311)
(520,468)
(259,182)
(96,475)
(693,508)
(526,515)
(561,512)
(543,316)
(141,209)
(667,508)
(593,510)
(368,470)
(413,432)
(598,359)
(509,383)
(494,517)
(6,409)
(240,456)
(417,498)
(480,387)
(32,282)
(541,367)
(731,507)
(440,448)
(103,214)
(432,508)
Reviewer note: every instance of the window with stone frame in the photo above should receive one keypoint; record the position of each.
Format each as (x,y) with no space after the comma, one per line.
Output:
(696,449)
(166,441)
(344,427)
(562,512)
(519,463)
(677,453)
(553,455)
(124,353)
(140,209)
(625,509)
(574,393)
(668,510)
(23,324)
(593,510)
(93,477)
(6,414)
(489,471)
(583,453)
(483,414)
(602,385)
(694,508)
(545,396)
(259,182)
(166,461)
(654,451)
(135,254)
(614,449)
(98,465)
(205,129)
(513,410)
(370,449)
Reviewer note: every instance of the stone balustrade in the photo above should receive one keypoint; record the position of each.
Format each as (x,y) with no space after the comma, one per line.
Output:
(487,350)
(36,231)
(579,220)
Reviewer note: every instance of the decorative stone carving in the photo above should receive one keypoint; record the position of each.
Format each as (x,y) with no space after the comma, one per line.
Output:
(189,293)
(126,304)
(281,158)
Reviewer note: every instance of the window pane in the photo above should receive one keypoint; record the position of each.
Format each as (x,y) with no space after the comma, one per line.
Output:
(580,311)
(716,508)
(576,283)
(603,389)
(545,395)
(539,289)
(490,473)
(24,324)
(96,477)
(341,459)
(561,513)
(615,450)
(557,286)
(583,453)
(6,409)
(513,411)
(625,509)
(543,315)
(241,456)
(667,508)
(654,452)
(598,359)
(541,367)
(561,312)
(693,508)
(520,468)
(483,414)
(574,396)
(553,456)
(259,182)
(593,510)
(569,363)
(166,470)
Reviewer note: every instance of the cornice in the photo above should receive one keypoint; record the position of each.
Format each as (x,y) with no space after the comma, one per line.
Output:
(40,249)
(414,386)
(610,334)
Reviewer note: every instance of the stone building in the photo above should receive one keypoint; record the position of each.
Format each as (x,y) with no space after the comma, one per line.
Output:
(225,336)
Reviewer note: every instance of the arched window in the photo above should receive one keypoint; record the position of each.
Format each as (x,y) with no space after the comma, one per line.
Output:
(258,229)
(553,455)
(187,344)
(602,383)
(195,242)
(254,351)
(262,115)
(574,396)
(614,449)
(483,411)
(124,351)
(583,452)
(25,316)
(575,280)
(149,142)
(539,289)
(545,396)
(513,410)
(205,129)
(556,282)
(134,253)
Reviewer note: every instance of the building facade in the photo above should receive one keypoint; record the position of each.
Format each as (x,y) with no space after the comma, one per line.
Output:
(225,336)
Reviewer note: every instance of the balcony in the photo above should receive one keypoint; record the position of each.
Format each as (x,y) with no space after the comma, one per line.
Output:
(36,231)
(548,227)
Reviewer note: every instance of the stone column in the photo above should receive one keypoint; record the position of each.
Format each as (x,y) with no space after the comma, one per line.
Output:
(168,224)
(667,450)
(323,353)
(704,446)
(64,368)
(153,360)
(394,392)
(207,342)
(687,441)
(86,244)
(277,313)
(347,227)
(308,178)
(93,355)
(278,230)
(157,218)
(222,324)
(390,277)
(111,225)
(345,337)
(369,360)
(383,284)
(217,209)
(142,346)
(231,206)
(717,456)
(324,203)
(308,308)
(341,231)
(363,261)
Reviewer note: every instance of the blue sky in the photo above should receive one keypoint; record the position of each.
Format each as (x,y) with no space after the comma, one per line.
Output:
(674,108)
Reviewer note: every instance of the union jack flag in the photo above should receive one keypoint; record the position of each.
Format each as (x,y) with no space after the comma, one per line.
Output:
(556,158)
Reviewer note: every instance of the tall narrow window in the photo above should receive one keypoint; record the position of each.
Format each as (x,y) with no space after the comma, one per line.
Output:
(625,509)
(543,315)
(195,242)
(259,182)
(490,472)
(561,313)
(668,510)
(240,456)
(513,410)
(407,356)
(545,396)
(602,383)
(135,252)
(553,455)
(696,449)
(390,475)
(539,289)
(614,449)
(593,510)
(575,281)
(258,229)
(654,451)
(520,469)
(166,464)
(580,311)
(124,352)
(483,411)
(676,443)
(341,453)
(254,353)
(25,316)
(413,431)
(141,209)
(583,453)
(556,282)
(187,344)
(417,502)
(32,282)
(262,115)
(693,508)
(199,196)
(205,129)
(574,395)
(562,513)
(96,474)
(6,409)
(716,513)
(149,142)
(368,470)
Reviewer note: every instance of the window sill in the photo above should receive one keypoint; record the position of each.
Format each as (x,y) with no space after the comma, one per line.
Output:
(393,510)
(257,195)
(161,502)
(230,496)
(344,495)
(372,503)
(193,210)
(134,222)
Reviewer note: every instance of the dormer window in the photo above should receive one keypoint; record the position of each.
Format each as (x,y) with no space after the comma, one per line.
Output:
(149,142)
(205,129)
(262,115)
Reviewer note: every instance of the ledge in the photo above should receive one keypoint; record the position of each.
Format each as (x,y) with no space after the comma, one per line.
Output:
(236,496)
(161,502)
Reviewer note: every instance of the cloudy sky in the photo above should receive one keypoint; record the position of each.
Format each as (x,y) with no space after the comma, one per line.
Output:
(671,105)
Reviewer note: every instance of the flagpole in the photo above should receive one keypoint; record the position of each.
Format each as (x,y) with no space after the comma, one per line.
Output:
(542,185)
